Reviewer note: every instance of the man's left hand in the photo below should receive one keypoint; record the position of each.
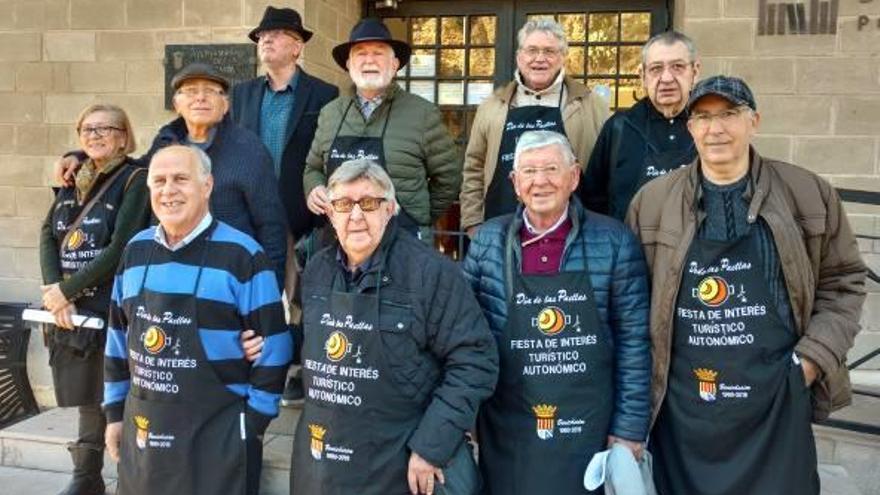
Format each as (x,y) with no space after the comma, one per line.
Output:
(810,369)
(252,345)
(53,298)
(421,475)
(635,447)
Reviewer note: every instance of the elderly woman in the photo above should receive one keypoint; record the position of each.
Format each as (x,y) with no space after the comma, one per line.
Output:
(396,357)
(82,239)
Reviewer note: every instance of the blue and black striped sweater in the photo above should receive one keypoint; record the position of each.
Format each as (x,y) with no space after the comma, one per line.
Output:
(237,291)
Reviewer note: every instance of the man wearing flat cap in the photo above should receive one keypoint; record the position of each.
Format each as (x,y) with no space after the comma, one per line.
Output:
(381,122)
(757,290)
(242,168)
(282,107)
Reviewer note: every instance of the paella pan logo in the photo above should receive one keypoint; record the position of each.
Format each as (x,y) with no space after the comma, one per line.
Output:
(142,424)
(713,291)
(317,440)
(545,415)
(76,239)
(551,320)
(707,383)
(155,340)
(337,346)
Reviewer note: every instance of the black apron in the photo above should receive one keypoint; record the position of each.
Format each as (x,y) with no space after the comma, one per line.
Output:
(357,418)
(76,356)
(552,408)
(736,418)
(183,430)
(500,196)
(345,148)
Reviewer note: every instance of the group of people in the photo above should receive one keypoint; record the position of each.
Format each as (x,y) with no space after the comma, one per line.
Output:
(645,281)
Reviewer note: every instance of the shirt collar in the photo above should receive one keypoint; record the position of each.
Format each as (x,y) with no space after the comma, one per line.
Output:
(212,133)
(532,230)
(552,89)
(291,83)
(159,236)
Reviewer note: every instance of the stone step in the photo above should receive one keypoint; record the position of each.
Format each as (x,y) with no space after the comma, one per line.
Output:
(853,443)
(21,481)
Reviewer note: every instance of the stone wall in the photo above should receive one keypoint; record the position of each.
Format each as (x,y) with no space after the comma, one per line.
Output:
(57,56)
(819,99)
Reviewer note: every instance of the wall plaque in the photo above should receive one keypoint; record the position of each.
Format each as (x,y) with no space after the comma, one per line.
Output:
(237,61)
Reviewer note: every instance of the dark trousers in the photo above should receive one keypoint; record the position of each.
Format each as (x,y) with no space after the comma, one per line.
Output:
(92,424)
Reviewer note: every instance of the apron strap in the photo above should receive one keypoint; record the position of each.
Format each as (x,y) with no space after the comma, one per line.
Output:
(88,207)
(344,115)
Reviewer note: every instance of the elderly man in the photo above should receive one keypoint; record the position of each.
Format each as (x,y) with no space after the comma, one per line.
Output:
(649,139)
(184,291)
(401,132)
(540,98)
(757,289)
(565,291)
(244,184)
(397,355)
(282,108)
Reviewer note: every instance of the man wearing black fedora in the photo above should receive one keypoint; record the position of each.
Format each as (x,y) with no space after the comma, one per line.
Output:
(282,108)
(379,121)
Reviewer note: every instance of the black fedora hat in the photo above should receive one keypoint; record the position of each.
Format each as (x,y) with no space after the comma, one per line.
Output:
(371,29)
(280,19)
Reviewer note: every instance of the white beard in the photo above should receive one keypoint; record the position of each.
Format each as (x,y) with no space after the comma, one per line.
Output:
(371,82)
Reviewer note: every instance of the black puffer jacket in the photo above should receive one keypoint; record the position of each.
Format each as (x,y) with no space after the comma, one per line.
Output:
(452,359)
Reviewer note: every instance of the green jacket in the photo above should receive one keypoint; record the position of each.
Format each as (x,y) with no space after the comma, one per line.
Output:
(423,161)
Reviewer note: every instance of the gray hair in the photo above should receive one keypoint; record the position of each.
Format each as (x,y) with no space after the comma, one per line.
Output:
(670,38)
(531,140)
(363,168)
(199,156)
(548,26)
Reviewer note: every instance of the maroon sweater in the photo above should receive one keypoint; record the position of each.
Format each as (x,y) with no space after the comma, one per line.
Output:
(545,255)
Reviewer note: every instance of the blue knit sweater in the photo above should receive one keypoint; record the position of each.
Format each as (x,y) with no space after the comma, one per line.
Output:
(237,290)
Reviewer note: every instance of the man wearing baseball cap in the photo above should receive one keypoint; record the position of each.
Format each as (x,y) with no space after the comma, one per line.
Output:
(757,290)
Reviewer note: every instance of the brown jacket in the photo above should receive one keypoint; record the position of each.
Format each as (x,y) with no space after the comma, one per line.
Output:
(818,252)
(582,116)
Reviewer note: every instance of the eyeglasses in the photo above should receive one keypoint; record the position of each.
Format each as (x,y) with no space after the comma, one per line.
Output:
(727,117)
(194,91)
(532,52)
(675,68)
(531,173)
(99,130)
(367,204)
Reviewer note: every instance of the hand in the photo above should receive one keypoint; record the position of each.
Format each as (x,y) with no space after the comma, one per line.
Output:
(810,369)
(421,475)
(64,317)
(53,298)
(112,439)
(472,231)
(252,345)
(64,170)
(318,201)
(635,447)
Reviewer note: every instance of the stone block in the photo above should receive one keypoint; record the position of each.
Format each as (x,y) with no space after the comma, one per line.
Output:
(69,47)
(836,154)
(328,19)
(765,75)
(154,13)
(34,77)
(20,47)
(7,76)
(778,147)
(60,78)
(794,114)
(702,9)
(127,45)
(310,15)
(850,8)
(854,40)
(20,232)
(144,77)
(712,66)
(97,14)
(33,202)
(21,108)
(209,13)
(65,108)
(838,75)
(23,290)
(722,38)
(739,8)
(32,139)
(7,253)
(42,14)
(7,139)
(858,115)
(7,203)
(230,35)
(62,138)
(22,171)
(97,77)
(27,260)
(808,46)
(182,36)
(7,21)
(143,110)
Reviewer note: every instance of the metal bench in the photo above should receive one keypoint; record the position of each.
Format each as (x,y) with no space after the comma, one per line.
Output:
(16,397)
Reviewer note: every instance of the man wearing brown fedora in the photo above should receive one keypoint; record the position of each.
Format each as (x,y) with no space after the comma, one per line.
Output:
(282,108)
(379,121)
